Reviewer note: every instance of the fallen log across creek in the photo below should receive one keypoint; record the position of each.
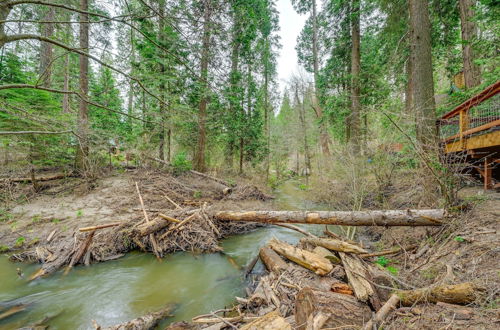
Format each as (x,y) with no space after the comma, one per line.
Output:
(431,217)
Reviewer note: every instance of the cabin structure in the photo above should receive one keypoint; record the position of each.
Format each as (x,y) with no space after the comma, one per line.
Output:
(472,131)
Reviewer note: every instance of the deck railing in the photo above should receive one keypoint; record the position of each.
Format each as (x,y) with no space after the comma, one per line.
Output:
(475,116)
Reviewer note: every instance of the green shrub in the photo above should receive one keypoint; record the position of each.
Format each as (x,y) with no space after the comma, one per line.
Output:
(20,241)
(181,164)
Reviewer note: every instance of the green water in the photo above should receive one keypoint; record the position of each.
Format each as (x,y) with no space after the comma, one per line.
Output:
(123,289)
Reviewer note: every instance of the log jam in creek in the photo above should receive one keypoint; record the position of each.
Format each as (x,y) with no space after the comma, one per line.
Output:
(120,290)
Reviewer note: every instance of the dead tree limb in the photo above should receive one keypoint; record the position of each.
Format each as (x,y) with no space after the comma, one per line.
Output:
(152,238)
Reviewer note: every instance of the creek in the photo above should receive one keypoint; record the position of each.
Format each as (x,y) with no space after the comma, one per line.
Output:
(120,290)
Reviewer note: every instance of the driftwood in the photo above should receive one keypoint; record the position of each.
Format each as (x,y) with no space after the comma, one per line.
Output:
(272,260)
(344,310)
(152,238)
(51,235)
(41,178)
(166,217)
(145,322)
(382,313)
(458,294)
(92,228)
(179,225)
(344,218)
(334,245)
(251,265)
(358,275)
(307,259)
(270,321)
(81,251)
(316,322)
(321,251)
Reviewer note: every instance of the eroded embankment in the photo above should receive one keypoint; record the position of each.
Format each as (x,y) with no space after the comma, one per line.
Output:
(177,218)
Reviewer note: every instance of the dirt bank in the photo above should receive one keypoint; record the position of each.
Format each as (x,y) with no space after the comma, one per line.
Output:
(46,227)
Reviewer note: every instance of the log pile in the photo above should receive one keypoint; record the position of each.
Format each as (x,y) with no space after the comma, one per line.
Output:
(325,283)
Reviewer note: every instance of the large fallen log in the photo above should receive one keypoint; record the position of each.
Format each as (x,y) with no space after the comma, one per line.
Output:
(334,244)
(145,322)
(459,294)
(81,251)
(343,218)
(306,259)
(270,321)
(48,177)
(321,251)
(272,260)
(343,310)
(358,275)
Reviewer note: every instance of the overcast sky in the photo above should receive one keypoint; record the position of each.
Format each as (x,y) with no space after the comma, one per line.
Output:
(291,24)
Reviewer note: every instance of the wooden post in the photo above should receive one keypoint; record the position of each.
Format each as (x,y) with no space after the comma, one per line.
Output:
(487,173)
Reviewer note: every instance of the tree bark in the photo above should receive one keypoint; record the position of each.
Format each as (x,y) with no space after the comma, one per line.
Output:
(423,82)
(304,258)
(161,64)
(324,137)
(343,218)
(382,313)
(334,245)
(83,113)
(342,309)
(272,260)
(46,49)
(199,160)
(472,72)
(302,119)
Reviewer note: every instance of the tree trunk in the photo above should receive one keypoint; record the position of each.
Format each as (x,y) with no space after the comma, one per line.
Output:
(342,309)
(472,73)
(199,160)
(319,265)
(409,87)
(272,260)
(355,135)
(66,97)
(241,155)
(334,245)
(83,113)
(323,131)
(302,119)
(130,101)
(342,218)
(161,64)
(46,49)
(423,83)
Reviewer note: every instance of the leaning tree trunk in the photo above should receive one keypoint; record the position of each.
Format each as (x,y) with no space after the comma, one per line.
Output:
(423,83)
(202,113)
(472,73)
(355,136)
(342,218)
(83,113)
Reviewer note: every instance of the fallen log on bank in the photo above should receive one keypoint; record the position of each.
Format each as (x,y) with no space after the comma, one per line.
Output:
(306,259)
(148,321)
(342,310)
(431,217)
(458,294)
(334,245)
(49,177)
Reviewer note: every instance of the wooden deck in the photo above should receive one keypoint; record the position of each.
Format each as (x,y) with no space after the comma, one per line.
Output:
(473,129)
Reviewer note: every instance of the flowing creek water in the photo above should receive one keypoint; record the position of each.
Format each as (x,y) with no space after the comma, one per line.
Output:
(120,290)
